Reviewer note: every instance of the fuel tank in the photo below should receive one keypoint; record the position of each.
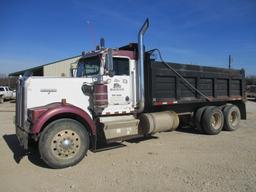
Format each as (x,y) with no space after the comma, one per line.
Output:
(151,123)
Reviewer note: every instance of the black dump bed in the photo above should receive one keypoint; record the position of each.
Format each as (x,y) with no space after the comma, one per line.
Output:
(164,87)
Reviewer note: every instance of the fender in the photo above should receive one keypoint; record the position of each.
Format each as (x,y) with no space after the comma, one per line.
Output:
(40,115)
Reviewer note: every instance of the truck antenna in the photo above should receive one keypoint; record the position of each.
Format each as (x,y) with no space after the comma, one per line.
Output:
(91,32)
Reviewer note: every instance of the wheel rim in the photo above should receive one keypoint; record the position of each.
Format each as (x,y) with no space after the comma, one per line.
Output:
(216,120)
(233,118)
(65,144)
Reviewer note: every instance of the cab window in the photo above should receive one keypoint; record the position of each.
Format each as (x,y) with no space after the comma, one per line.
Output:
(121,66)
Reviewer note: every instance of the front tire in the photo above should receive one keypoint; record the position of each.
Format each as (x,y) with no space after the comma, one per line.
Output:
(63,143)
(212,120)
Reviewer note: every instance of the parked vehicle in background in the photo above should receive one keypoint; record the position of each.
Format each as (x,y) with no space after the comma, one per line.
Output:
(124,93)
(14,94)
(251,91)
(6,94)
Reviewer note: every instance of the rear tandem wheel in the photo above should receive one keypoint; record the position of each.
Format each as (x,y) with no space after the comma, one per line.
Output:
(232,117)
(212,120)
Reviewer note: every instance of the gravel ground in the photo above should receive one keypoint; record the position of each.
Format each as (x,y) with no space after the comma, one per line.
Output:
(174,161)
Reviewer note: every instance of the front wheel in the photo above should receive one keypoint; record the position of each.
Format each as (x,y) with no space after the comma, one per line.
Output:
(63,143)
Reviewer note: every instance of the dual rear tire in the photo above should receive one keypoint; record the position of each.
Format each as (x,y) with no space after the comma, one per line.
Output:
(232,117)
(213,119)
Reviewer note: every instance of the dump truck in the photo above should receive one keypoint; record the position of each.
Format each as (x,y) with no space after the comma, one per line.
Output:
(123,93)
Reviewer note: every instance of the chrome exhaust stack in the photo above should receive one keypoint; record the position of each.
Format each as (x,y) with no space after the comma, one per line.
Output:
(140,68)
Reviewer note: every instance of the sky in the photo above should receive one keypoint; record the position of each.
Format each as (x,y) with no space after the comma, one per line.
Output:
(202,32)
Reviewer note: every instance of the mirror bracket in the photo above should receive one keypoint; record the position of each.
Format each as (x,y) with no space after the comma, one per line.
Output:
(109,62)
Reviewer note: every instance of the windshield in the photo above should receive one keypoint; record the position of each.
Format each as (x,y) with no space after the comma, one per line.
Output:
(88,66)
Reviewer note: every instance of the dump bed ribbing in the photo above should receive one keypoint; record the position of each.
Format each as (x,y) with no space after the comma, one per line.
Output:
(164,86)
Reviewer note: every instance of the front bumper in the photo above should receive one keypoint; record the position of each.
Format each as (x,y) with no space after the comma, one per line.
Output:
(22,135)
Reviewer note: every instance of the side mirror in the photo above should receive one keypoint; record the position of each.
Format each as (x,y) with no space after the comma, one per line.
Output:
(87,88)
(109,61)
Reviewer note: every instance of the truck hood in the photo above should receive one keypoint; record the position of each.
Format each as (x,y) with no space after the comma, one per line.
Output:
(45,90)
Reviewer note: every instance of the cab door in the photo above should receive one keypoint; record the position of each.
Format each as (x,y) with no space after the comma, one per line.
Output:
(119,87)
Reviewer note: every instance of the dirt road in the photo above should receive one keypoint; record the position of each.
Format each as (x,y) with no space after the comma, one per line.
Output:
(175,161)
